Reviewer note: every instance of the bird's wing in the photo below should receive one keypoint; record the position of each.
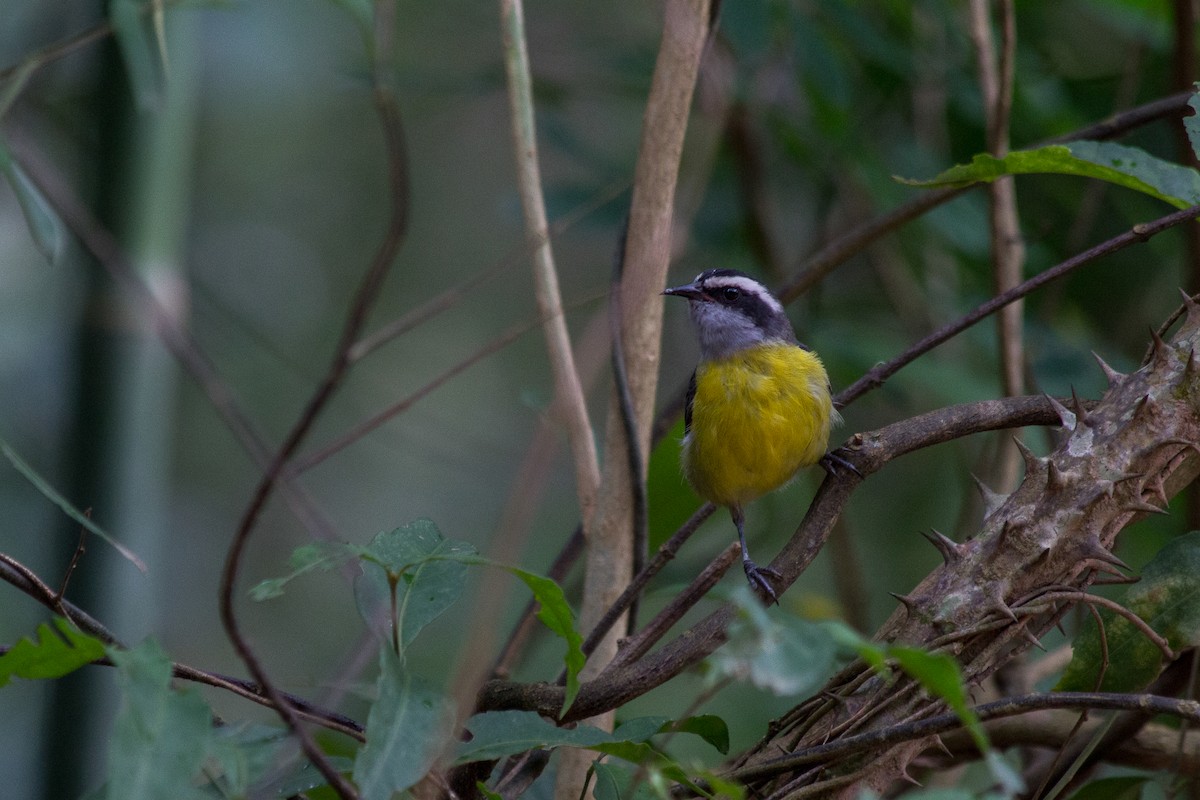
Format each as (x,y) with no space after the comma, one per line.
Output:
(687,405)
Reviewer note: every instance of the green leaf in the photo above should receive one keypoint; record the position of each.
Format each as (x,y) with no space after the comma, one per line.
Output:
(1167,598)
(425,568)
(708,727)
(782,654)
(40,217)
(409,725)
(48,491)
(50,655)
(495,734)
(160,736)
(1191,123)
(1107,161)
(555,613)
(939,675)
(141,49)
(312,557)
(1123,787)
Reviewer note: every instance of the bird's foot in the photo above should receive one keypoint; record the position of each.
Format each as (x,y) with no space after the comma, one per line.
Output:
(758,578)
(835,464)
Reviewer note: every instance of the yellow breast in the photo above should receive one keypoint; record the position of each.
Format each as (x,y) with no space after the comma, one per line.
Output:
(757,417)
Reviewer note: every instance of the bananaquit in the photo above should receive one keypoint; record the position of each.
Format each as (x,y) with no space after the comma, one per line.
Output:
(758,406)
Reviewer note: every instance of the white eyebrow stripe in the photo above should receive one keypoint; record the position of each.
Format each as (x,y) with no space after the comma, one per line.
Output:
(748,285)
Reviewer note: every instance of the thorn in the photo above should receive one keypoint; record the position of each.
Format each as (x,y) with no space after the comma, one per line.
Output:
(992,500)
(1081,413)
(1160,491)
(1042,555)
(1142,505)
(1094,549)
(1033,640)
(905,776)
(998,605)
(1005,530)
(1102,566)
(1065,417)
(910,603)
(950,549)
(1145,406)
(1189,303)
(1192,366)
(1055,480)
(941,745)
(1161,351)
(1127,476)
(1032,462)
(1111,375)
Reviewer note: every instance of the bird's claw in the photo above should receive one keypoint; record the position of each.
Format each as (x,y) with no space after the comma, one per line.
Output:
(833,463)
(758,578)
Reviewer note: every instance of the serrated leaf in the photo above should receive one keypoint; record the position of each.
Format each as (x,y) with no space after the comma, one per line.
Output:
(48,491)
(50,655)
(1167,598)
(1107,161)
(409,725)
(782,654)
(160,736)
(43,221)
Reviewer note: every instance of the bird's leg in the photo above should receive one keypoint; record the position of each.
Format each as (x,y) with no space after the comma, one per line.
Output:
(756,575)
(833,463)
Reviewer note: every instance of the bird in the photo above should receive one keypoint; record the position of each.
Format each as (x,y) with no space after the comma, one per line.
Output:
(759,406)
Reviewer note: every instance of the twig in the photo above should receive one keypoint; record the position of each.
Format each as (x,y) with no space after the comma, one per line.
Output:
(1094,599)
(570,401)
(870,452)
(635,647)
(665,553)
(75,556)
(364,298)
(875,377)
(1011,706)
(1007,247)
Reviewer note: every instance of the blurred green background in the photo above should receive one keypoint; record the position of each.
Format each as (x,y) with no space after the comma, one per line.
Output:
(249,189)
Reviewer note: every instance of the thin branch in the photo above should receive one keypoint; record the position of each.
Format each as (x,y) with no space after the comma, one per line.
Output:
(665,553)
(1079,596)
(875,377)
(570,401)
(870,452)
(1011,706)
(363,300)
(1007,247)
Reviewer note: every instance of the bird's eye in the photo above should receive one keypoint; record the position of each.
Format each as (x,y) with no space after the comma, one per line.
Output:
(731,293)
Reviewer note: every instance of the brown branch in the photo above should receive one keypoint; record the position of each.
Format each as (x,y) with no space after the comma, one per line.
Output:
(922,729)
(362,302)
(876,377)
(870,451)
